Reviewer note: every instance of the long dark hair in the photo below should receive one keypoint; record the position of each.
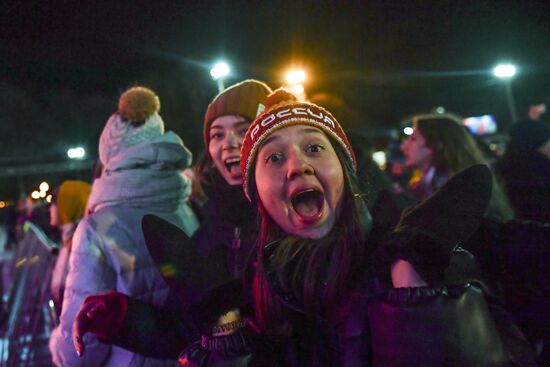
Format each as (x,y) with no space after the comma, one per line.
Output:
(205,169)
(315,273)
(453,150)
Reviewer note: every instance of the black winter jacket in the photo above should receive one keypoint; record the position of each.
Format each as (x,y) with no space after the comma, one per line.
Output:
(228,220)
(373,325)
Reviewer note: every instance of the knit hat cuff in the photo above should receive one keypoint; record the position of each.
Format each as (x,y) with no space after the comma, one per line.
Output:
(120,134)
(241,99)
(283,115)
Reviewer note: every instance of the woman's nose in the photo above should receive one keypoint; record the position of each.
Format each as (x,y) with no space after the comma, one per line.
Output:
(231,141)
(298,165)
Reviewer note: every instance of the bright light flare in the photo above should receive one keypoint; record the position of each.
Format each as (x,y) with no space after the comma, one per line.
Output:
(35,195)
(295,77)
(220,70)
(380,159)
(2,204)
(408,130)
(76,153)
(504,71)
(44,186)
(297,89)
(49,198)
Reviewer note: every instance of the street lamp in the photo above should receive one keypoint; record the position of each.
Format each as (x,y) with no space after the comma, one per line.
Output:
(295,77)
(218,73)
(44,186)
(76,153)
(506,72)
(294,82)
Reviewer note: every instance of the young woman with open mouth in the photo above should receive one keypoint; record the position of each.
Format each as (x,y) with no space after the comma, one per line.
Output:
(228,221)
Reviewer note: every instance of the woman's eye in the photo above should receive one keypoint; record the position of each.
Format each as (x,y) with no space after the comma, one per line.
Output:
(216,136)
(315,148)
(243,132)
(273,158)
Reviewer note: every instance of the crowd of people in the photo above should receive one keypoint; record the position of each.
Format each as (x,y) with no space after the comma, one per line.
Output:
(281,246)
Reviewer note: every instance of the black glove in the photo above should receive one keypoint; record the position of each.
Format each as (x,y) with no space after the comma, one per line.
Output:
(428,233)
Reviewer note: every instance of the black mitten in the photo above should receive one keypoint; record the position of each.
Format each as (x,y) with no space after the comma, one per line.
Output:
(219,301)
(189,274)
(428,233)
(428,256)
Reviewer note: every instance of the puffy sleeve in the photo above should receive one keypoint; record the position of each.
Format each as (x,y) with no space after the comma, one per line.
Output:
(89,273)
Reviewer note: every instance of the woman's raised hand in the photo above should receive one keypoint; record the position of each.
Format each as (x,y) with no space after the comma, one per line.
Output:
(102,315)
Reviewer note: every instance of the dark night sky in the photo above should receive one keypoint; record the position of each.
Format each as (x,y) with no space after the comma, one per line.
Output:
(64,63)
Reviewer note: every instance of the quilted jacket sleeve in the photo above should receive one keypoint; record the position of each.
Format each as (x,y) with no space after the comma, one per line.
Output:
(89,273)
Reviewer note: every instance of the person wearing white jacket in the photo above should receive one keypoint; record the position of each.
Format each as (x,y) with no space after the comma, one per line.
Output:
(141,175)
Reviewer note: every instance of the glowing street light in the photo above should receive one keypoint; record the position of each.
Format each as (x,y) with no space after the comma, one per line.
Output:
(297,89)
(44,186)
(219,72)
(295,77)
(506,72)
(35,195)
(294,82)
(76,153)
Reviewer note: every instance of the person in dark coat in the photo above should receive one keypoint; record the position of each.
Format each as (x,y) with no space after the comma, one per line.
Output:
(525,169)
(228,221)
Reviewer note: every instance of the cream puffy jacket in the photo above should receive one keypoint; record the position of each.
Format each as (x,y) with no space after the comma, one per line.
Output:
(109,253)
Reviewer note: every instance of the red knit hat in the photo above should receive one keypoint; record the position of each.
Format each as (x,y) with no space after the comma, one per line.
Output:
(283,109)
(242,99)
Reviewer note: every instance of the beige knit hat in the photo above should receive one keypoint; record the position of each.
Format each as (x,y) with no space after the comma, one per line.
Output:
(242,99)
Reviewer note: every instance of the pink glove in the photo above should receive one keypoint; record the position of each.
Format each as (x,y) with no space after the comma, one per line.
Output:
(102,315)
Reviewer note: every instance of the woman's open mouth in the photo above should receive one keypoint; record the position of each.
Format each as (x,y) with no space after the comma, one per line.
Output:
(308,203)
(233,165)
